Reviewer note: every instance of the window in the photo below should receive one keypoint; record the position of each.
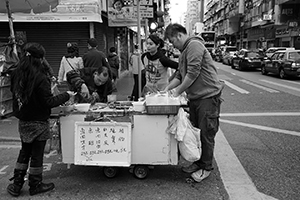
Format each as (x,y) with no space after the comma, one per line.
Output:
(280,56)
(274,56)
(294,55)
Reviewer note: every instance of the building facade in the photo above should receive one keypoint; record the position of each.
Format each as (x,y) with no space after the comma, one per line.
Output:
(255,24)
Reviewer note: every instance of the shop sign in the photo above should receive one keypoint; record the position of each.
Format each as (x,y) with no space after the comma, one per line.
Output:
(267,17)
(144,2)
(287,11)
(66,11)
(293,24)
(282,32)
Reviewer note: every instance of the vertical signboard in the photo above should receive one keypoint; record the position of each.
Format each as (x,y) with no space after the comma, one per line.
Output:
(103,143)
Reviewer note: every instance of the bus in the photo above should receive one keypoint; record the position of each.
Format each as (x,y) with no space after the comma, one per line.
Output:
(209,38)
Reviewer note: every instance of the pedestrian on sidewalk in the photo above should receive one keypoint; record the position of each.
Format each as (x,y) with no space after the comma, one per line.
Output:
(114,62)
(95,58)
(197,76)
(156,64)
(32,103)
(71,61)
(133,61)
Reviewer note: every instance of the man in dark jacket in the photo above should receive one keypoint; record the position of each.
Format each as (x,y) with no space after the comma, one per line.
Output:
(91,84)
(114,63)
(94,58)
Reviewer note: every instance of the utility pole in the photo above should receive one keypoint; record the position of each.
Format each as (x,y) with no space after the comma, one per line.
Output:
(140,46)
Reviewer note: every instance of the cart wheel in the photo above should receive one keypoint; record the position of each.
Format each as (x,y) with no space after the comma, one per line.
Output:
(141,171)
(110,172)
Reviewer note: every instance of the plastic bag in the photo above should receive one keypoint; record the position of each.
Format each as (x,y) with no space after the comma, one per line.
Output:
(190,146)
(11,59)
(187,135)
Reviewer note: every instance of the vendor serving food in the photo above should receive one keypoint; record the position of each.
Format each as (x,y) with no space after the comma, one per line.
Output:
(91,84)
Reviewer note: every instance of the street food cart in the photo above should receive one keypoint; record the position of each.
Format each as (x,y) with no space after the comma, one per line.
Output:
(116,135)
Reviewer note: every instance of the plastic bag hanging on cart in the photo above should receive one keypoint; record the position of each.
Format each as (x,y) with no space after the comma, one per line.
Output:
(187,135)
(10,59)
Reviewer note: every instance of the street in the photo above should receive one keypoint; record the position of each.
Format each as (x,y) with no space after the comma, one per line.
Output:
(257,153)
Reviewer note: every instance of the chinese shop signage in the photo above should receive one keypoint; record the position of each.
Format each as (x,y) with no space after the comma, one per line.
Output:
(103,143)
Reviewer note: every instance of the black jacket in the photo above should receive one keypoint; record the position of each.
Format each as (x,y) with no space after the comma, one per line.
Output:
(85,75)
(94,59)
(41,101)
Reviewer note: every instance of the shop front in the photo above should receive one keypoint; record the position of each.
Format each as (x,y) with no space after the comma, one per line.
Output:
(288,36)
(54,29)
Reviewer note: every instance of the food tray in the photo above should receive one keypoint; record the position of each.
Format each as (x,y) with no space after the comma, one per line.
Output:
(162,109)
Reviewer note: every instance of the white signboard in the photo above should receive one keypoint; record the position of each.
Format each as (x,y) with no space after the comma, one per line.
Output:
(144,2)
(103,143)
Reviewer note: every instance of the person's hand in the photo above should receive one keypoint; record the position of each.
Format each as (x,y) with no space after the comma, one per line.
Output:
(173,93)
(84,91)
(95,95)
(53,79)
(71,93)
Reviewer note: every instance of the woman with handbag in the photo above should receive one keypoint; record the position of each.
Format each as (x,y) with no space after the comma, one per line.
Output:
(71,61)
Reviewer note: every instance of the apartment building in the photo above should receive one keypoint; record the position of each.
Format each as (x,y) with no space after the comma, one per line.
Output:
(192,15)
(255,24)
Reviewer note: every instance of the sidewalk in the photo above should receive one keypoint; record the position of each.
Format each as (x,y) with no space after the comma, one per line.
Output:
(9,126)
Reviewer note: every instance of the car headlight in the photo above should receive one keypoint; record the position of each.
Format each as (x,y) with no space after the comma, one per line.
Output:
(295,65)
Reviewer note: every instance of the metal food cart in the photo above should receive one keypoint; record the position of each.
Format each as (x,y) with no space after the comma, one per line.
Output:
(128,139)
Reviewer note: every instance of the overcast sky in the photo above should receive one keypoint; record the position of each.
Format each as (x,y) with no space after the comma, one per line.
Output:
(178,7)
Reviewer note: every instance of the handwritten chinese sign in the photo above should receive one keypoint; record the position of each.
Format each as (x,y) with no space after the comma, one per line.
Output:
(103,143)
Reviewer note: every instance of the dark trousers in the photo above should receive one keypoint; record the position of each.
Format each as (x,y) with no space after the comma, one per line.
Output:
(204,114)
(135,90)
(33,152)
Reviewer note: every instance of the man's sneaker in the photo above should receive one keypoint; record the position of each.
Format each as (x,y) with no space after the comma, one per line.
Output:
(191,168)
(200,175)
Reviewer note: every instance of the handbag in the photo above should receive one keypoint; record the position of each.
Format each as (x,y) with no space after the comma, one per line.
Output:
(71,75)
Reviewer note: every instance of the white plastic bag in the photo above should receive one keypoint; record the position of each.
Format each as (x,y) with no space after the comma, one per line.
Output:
(190,146)
(187,135)
(182,123)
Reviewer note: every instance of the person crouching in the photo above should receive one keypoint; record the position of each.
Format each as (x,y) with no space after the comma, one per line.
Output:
(91,84)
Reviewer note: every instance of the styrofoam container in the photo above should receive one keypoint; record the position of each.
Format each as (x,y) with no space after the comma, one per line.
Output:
(138,106)
(112,98)
(82,107)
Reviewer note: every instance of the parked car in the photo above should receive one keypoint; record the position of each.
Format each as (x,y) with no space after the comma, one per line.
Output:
(270,51)
(217,54)
(247,59)
(283,63)
(227,54)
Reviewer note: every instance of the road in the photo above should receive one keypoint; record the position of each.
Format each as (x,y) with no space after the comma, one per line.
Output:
(257,153)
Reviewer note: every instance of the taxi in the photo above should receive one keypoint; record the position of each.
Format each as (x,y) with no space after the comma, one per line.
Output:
(246,59)
(283,63)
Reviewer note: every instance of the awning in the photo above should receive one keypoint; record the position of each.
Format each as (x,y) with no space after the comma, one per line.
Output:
(66,11)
